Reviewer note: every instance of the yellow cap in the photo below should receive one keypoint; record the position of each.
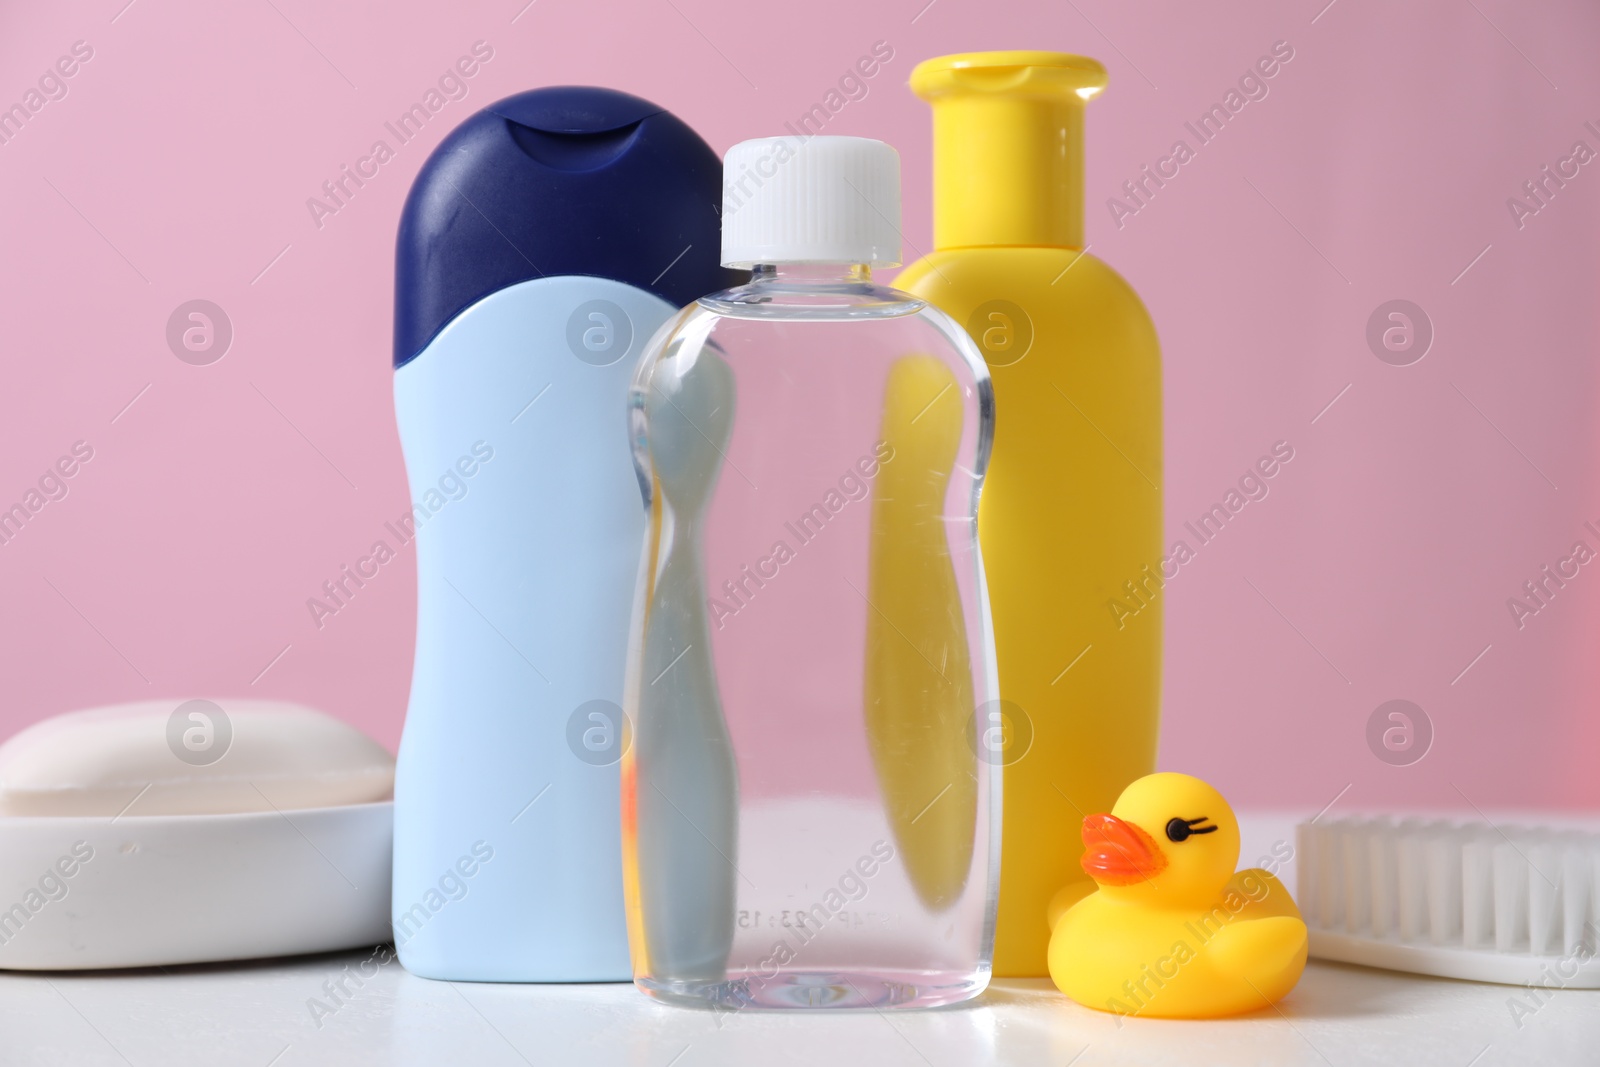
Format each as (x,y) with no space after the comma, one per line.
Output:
(1008,146)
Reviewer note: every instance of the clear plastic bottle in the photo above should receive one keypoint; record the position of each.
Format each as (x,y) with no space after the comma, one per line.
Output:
(810,812)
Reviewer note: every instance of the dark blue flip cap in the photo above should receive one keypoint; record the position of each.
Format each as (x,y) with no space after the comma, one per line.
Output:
(558,181)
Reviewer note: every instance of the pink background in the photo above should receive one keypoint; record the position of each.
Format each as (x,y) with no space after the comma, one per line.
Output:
(179,164)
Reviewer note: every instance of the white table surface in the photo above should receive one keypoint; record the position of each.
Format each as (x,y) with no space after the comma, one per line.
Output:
(257,1014)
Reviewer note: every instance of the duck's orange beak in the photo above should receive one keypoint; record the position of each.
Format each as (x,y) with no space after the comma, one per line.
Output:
(1119,853)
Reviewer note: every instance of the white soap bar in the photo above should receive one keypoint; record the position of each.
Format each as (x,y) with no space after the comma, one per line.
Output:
(195,757)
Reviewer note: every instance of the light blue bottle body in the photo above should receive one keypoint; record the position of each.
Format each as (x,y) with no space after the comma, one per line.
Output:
(507,841)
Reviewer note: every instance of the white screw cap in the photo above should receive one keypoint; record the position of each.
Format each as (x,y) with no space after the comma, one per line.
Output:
(811,200)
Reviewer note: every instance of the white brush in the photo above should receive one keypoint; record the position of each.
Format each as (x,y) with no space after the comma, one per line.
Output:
(1510,904)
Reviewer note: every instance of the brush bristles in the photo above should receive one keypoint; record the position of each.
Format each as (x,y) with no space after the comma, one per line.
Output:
(1507,889)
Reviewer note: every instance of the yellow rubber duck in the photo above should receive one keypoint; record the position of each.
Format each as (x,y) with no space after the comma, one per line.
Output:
(1171,931)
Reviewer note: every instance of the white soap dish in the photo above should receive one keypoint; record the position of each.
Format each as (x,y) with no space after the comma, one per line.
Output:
(191,831)
(155,890)
(1491,904)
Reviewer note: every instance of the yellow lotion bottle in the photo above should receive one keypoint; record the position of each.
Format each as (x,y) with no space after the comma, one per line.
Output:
(1070,519)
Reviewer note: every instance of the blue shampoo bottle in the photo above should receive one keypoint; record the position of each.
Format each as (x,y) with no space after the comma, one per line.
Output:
(542,244)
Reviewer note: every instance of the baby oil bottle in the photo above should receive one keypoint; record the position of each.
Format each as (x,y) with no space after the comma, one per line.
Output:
(1071,522)
(810,819)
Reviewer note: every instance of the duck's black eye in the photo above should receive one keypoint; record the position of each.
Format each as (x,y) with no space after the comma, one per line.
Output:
(1180,829)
